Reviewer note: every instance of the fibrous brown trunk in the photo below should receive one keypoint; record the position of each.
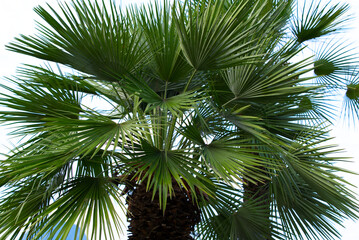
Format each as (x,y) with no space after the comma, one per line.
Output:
(147,220)
(259,192)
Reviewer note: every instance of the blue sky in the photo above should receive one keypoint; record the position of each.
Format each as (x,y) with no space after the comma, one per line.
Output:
(71,235)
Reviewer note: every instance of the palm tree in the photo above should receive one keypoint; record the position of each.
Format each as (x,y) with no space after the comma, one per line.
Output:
(198,112)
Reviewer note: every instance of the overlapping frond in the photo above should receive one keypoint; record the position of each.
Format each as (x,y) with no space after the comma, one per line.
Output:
(225,216)
(275,78)
(163,41)
(93,39)
(207,98)
(215,40)
(309,196)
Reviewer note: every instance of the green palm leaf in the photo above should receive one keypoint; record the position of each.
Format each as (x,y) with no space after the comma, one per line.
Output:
(205,99)
(308,193)
(215,40)
(84,31)
(314,21)
(90,203)
(351,98)
(163,42)
(333,62)
(226,217)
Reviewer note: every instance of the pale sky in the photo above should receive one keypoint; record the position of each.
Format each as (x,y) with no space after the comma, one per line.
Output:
(17,17)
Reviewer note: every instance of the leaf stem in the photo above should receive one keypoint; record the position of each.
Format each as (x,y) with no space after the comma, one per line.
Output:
(233,99)
(189,80)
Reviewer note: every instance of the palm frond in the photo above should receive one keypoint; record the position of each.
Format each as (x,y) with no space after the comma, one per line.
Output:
(90,203)
(31,103)
(233,160)
(204,99)
(271,79)
(314,21)
(161,35)
(215,40)
(85,36)
(309,196)
(159,168)
(317,108)
(351,99)
(333,61)
(226,217)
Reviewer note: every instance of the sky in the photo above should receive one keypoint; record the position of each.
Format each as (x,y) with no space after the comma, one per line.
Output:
(17,17)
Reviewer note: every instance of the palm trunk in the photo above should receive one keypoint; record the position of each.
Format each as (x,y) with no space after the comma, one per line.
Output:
(259,192)
(147,220)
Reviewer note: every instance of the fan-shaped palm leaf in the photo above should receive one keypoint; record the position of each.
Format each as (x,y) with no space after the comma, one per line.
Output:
(314,21)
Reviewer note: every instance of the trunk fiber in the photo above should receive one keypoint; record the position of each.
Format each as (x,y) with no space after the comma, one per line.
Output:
(147,220)
(259,192)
